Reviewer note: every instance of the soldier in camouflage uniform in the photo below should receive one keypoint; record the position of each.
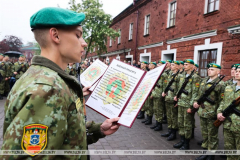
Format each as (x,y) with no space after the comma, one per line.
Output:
(141,114)
(232,80)
(48,102)
(231,129)
(71,69)
(209,114)
(185,102)
(181,68)
(172,111)
(165,76)
(158,103)
(149,102)
(19,68)
(2,75)
(8,74)
(25,62)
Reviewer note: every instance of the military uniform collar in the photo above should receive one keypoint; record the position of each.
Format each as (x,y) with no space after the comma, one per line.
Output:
(213,81)
(42,61)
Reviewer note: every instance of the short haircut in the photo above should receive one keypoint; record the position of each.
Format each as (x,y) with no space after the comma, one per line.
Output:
(41,37)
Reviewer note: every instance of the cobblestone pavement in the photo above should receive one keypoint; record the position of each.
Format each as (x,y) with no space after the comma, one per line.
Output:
(139,137)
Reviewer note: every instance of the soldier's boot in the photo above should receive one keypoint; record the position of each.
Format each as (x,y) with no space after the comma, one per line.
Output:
(145,120)
(164,121)
(181,143)
(193,132)
(1,97)
(210,157)
(168,133)
(172,135)
(149,120)
(141,115)
(185,145)
(159,127)
(156,124)
(202,157)
(200,142)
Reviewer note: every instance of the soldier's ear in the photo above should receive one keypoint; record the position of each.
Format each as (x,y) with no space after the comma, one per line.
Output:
(54,35)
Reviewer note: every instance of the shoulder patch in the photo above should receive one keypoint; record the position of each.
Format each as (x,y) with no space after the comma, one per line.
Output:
(197,84)
(34,139)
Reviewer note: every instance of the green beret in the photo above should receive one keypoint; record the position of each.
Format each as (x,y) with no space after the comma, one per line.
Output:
(162,62)
(176,62)
(22,55)
(189,61)
(214,65)
(55,17)
(145,62)
(170,61)
(181,62)
(153,63)
(1,54)
(235,65)
(238,66)
(196,65)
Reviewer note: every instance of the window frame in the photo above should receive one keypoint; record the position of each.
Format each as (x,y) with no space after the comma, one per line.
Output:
(208,2)
(130,31)
(169,14)
(110,42)
(147,28)
(120,34)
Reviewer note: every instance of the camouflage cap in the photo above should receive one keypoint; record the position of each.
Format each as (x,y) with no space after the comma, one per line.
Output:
(235,65)
(153,63)
(145,62)
(214,65)
(55,17)
(170,61)
(189,61)
(176,62)
(162,62)
(196,65)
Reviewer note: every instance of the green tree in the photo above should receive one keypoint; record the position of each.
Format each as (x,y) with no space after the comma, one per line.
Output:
(37,52)
(96,28)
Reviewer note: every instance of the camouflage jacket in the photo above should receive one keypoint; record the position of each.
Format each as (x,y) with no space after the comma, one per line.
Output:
(210,111)
(230,94)
(72,71)
(8,69)
(46,95)
(3,68)
(165,77)
(16,67)
(192,87)
(229,82)
(170,95)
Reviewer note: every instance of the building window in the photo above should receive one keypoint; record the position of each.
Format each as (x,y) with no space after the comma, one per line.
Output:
(110,42)
(119,38)
(130,31)
(94,49)
(212,5)
(205,57)
(172,14)
(146,25)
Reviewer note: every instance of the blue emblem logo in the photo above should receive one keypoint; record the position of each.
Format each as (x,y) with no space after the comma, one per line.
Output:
(34,139)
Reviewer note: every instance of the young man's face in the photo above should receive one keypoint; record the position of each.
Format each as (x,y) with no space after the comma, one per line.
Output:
(71,44)
(233,70)
(151,66)
(188,66)
(237,74)
(174,67)
(213,72)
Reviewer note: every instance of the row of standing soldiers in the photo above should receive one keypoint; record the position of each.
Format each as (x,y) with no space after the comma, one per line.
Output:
(10,72)
(180,92)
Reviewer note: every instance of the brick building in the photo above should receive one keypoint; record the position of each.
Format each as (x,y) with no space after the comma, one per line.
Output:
(203,30)
(29,51)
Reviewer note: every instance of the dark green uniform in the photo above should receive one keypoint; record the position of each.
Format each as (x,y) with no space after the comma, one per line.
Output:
(19,67)
(3,72)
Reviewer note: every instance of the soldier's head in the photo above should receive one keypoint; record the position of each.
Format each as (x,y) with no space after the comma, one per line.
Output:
(21,58)
(168,66)
(152,65)
(144,65)
(59,31)
(233,69)
(174,66)
(6,58)
(196,66)
(70,64)
(213,69)
(161,63)
(237,73)
(181,64)
(1,56)
(188,65)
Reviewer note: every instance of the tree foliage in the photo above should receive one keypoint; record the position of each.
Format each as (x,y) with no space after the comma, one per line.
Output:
(10,43)
(37,52)
(96,25)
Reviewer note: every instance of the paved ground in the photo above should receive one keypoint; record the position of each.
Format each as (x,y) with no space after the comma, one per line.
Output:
(138,137)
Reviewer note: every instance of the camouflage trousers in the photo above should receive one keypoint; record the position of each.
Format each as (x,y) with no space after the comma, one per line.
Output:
(7,86)
(231,142)
(172,115)
(158,109)
(185,122)
(145,105)
(149,107)
(2,86)
(209,134)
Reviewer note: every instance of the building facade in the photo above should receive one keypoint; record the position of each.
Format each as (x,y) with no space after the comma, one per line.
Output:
(29,51)
(203,30)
